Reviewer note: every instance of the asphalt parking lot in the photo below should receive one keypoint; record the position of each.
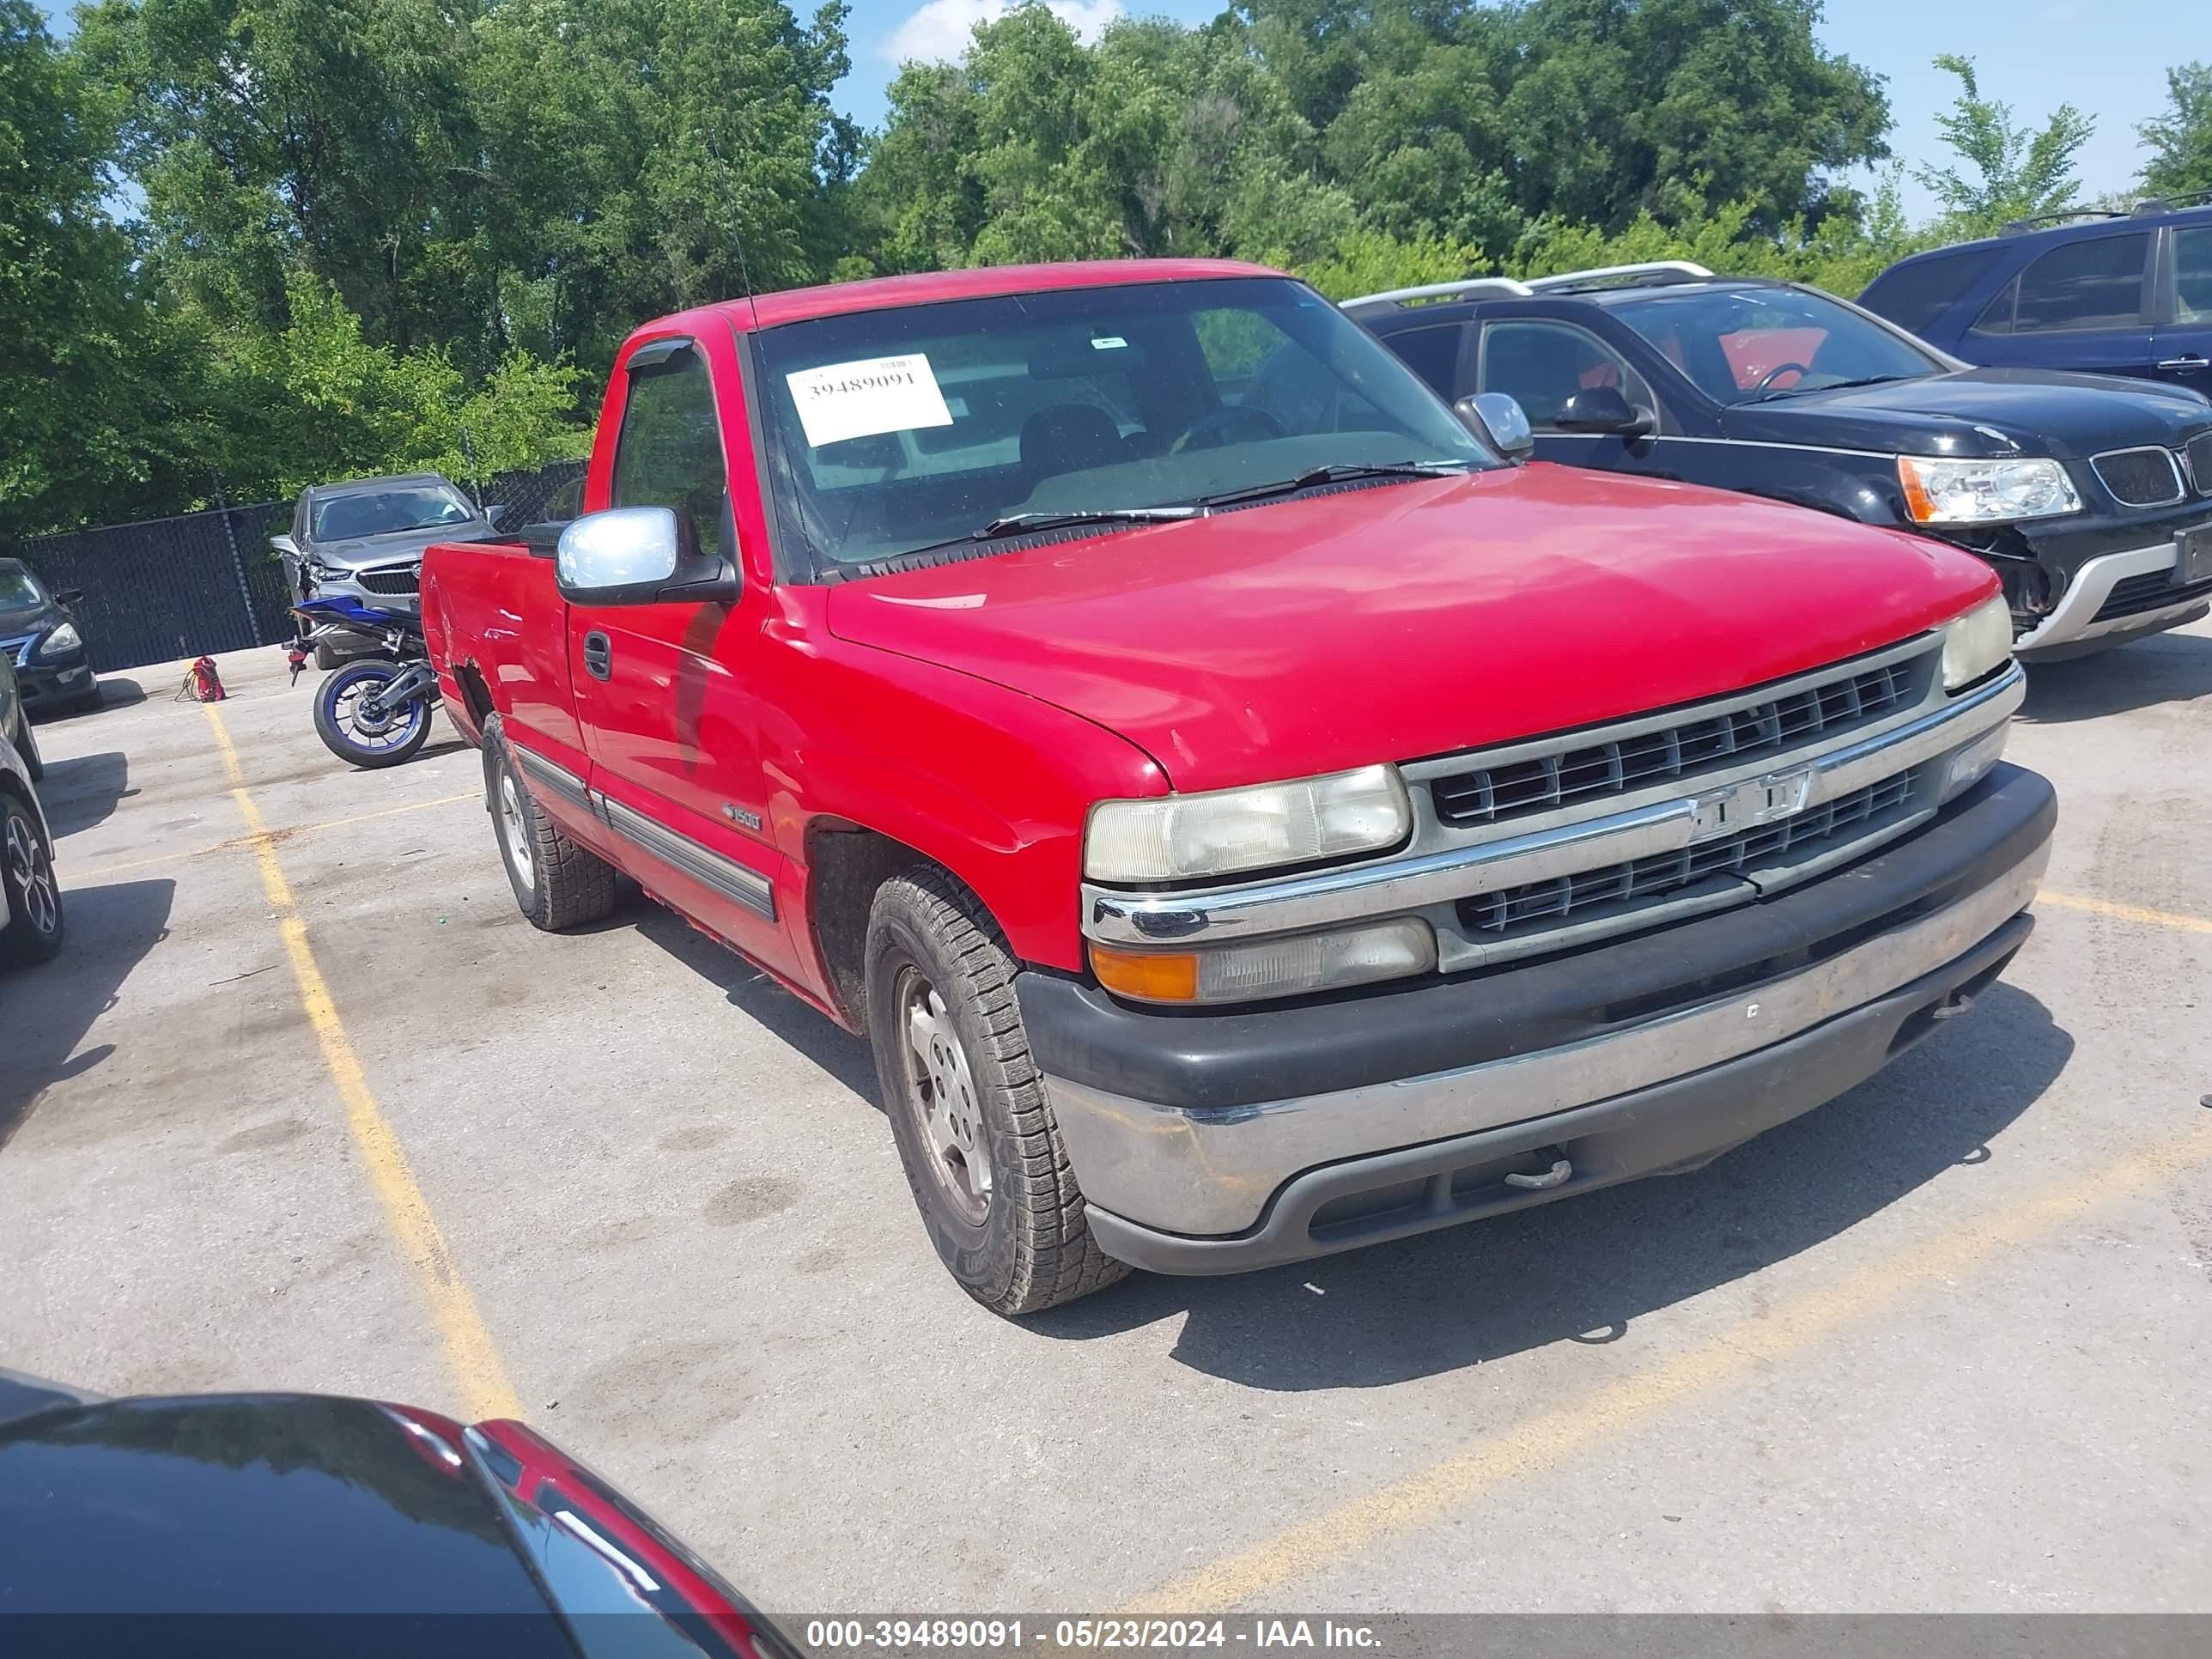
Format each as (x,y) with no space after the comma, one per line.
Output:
(307,1104)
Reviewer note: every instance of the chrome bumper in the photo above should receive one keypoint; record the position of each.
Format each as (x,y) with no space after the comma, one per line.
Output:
(1394,886)
(1212,1172)
(2073,621)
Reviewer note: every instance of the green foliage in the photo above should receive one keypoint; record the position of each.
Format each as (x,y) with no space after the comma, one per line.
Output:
(2180,136)
(2009,173)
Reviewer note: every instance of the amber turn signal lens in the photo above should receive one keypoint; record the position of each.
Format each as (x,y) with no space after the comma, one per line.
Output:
(1150,974)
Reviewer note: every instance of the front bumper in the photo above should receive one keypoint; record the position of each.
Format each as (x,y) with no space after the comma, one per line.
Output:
(1213,1143)
(2114,598)
(45,682)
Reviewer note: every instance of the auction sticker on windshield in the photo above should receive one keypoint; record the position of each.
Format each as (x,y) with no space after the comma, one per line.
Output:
(865,398)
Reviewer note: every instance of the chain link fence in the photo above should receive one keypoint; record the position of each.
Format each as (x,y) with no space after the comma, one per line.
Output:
(204,582)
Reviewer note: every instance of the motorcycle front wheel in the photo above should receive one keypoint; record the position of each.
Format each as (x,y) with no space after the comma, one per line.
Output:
(363,736)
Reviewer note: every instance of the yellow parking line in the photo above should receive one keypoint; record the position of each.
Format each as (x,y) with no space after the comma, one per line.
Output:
(1340,1534)
(2098,907)
(484,1389)
(302,829)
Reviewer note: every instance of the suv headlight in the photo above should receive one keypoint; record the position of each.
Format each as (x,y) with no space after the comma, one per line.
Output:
(1977,644)
(1946,491)
(1192,837)
(59,643)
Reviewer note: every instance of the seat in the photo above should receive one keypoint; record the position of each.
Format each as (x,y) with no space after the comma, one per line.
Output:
(1070,438)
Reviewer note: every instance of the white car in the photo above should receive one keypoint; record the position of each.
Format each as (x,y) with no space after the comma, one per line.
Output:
(30,900)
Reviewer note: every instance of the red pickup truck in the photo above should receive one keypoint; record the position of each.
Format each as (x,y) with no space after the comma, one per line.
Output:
(1248,812)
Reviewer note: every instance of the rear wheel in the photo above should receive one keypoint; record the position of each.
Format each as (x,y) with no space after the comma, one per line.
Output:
(982,1155)
(359,732)
(26,880)
(558,883)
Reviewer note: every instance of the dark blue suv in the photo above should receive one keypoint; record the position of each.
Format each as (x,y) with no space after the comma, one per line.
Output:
(2105,293)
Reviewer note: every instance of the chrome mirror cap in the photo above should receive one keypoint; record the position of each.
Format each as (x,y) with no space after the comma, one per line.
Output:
(1500,421)
(603,554)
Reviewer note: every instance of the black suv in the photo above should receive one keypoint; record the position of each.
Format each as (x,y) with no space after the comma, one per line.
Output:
(2091,497)
(2102,293)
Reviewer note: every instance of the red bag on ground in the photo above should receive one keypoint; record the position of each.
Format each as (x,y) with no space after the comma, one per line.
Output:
(204,684)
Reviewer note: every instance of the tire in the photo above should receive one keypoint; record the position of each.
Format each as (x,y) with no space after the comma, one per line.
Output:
(26,746)
(558,883)
(983,1157)
(347,734)
(34,899)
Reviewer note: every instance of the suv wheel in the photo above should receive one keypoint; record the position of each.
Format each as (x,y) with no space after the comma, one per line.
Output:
(27,879)
(983,1154)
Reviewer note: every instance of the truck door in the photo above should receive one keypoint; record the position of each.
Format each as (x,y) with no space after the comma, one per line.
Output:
(2081,305)
(665,691)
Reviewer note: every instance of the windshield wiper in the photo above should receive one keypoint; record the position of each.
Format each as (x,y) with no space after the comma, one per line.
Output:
(1832,386)
(1016,524)
(1314,477)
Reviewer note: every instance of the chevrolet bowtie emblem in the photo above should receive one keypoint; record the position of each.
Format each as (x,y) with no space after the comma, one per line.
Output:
(1755,801)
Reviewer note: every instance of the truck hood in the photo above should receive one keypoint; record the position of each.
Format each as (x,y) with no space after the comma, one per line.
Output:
(1413,619)
(1982,412)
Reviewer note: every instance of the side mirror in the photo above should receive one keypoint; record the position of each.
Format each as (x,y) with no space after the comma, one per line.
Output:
(637,556)
(68,595)
(285,545)
(1603,409)
(1500,421)
(494,512)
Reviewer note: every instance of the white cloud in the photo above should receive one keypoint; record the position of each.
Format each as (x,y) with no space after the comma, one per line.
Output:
(939,31)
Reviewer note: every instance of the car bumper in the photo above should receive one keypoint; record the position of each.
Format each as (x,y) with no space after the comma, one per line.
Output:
(1420,1107)
(2114,598)
(48,682)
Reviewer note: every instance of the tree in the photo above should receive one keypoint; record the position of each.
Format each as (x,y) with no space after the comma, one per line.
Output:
(2014,173)
(2180,137)
(73,394)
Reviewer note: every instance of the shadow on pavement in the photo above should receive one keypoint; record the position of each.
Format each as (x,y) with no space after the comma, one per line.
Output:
(116,691)
(2164,668)
(809,1034)
(1586,1269)
(81,791)
(46,1011)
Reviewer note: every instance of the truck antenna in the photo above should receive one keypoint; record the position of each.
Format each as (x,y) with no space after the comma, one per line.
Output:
(745,273)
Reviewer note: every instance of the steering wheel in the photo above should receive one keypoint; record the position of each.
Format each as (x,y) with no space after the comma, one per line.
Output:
(1214,430)
(1778,370)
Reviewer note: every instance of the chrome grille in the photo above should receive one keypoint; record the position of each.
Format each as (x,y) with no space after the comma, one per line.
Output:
(1611,768)
(408,580)
(1550,903)
(2200,462)
(2140,477)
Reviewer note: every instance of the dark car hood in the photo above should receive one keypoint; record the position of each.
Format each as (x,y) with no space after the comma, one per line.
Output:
(32,619)
(398,546)
(1982,412)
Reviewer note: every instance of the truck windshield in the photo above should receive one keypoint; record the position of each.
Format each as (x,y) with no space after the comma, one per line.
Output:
(897,430)
(1747,345)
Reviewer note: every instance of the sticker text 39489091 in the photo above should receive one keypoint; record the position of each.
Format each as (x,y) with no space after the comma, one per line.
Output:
(861,399)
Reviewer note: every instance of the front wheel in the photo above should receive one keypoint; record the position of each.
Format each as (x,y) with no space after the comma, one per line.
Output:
(362,734)
(983,1154)
(27,885)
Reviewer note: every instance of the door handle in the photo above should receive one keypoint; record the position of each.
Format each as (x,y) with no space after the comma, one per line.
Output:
(599,656)
(2188,365)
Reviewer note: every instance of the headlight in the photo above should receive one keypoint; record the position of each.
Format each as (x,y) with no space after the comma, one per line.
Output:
(1185,837)
(1285,967)
(59,643)
(1942,491)
(1977,643)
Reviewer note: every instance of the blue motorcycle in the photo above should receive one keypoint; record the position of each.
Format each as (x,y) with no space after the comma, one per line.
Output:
(374,709)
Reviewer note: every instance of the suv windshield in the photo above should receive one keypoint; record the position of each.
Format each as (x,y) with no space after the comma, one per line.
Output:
(385,511)
(898,430)
(19,588)
(1743,345)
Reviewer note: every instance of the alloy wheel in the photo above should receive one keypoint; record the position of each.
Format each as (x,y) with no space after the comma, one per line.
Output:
(30,874)
(940,1092)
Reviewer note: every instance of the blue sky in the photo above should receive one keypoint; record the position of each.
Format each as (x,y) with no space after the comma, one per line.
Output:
(2108,57)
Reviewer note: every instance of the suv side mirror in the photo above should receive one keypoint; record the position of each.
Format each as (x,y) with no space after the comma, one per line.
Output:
(1603,409)
(285,545)
(638,556)
(494,512)
(1500,421)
